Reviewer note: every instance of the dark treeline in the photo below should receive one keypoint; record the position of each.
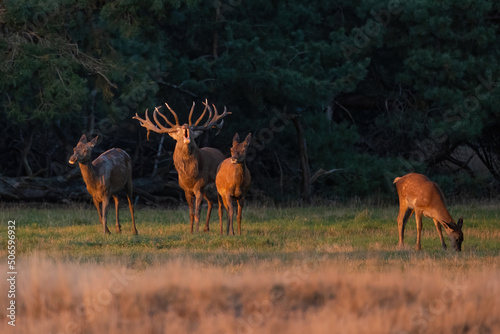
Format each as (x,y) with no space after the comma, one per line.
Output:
(340,96)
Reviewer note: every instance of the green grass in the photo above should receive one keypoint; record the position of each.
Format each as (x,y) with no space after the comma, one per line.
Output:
(351,232)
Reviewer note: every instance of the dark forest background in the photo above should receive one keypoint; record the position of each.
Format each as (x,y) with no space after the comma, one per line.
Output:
(341,96)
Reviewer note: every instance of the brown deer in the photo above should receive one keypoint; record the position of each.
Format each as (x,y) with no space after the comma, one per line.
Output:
(233,181)
(105,177)
(420,195)
(196,167)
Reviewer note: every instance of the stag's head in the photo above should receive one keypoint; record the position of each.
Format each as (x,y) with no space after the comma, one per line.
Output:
(454,232)
(186,133)
(239,150)
(83,150)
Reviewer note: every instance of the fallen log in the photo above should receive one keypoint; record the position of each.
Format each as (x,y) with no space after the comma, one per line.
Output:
(66,189)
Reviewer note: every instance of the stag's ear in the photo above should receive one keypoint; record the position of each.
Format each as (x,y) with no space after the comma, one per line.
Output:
(460,223)
(236,139)
(196,134)
(94,141)
(248,139)
(83,139)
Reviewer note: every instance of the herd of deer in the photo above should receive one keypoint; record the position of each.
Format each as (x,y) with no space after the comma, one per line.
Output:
(198,168)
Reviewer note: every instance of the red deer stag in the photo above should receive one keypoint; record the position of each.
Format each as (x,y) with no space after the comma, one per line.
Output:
(105,177)
(196,167)
(232,181)
(420,195)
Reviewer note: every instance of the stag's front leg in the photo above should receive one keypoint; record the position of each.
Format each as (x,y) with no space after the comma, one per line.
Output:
(118,226)
(209,212)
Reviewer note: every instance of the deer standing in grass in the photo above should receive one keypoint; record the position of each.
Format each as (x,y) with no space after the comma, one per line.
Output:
(233,181)
(420,195)
(110,173)
(196,167)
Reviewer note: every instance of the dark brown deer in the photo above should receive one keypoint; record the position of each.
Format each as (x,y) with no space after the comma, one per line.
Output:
(110,173)
(196,167)
(233,181)
(420,195)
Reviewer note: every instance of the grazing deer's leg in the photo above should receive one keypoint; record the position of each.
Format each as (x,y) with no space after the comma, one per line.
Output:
(118,226)
(209,212)
(190,200)
(105,206)
(418,219)
(241,202)
(440,233)
(403,215)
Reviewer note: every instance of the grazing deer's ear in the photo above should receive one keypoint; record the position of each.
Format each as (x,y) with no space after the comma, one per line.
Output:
(460,223)
(248,139)
(94,141)
(236,139)
(83,139)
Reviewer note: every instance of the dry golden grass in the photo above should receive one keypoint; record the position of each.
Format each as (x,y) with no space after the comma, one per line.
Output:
(344,295)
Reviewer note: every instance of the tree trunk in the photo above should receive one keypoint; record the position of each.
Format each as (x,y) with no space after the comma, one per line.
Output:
(304,159)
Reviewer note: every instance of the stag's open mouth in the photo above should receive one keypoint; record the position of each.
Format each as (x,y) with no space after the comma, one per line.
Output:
(187,138)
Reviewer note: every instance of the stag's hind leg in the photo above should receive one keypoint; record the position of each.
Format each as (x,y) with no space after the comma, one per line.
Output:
(209,212)
(190,201)
(117,210)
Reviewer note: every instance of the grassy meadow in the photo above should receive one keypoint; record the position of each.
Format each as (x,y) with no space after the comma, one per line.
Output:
(327,269)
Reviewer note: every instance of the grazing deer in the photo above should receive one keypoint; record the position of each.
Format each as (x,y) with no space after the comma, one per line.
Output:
(196,167)
(105,177)
(420,195)
(232,181)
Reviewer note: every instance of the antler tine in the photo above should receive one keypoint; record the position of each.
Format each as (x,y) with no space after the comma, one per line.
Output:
(157,110)
(210,113)
(191,113)
(161,127)
(146,123)
(212,121)
(173,113)
(203,114)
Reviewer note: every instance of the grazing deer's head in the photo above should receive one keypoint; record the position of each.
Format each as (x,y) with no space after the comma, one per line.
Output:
(83,150)
(239,150)
(186,133)
(454,232)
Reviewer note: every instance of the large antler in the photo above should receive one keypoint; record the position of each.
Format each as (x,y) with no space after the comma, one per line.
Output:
(158,128)
(213,118)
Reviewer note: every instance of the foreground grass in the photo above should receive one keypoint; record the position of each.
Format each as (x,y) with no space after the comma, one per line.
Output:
(284,234)
(326,269)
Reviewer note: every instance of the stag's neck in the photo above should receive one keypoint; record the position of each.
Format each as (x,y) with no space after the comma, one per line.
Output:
(187,159)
